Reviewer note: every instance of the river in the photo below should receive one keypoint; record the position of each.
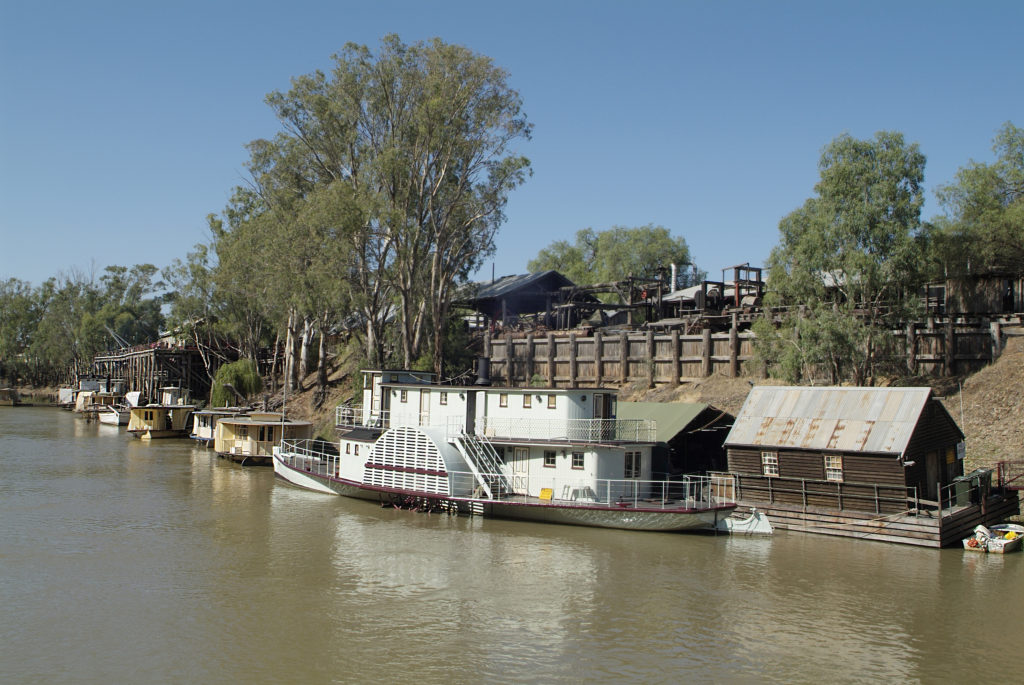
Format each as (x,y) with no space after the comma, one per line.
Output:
(130,562)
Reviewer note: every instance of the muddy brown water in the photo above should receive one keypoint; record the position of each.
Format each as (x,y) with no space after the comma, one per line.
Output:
(130,562)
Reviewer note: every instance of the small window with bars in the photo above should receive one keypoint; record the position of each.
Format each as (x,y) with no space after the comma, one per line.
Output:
(770,463)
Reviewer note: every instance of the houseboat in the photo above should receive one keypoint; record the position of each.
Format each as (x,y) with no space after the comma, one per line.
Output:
(204,422)
(167,419)
(250,439)
(551,455)
(160,421)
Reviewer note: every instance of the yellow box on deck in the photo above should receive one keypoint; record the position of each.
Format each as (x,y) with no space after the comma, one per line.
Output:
(547,493)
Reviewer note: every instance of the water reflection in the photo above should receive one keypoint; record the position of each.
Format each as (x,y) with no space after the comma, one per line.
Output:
(160,562)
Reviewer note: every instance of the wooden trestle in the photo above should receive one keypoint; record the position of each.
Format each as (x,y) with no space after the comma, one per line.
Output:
(149,369)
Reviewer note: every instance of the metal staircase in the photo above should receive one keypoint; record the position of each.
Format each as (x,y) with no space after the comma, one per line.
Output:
(485,464)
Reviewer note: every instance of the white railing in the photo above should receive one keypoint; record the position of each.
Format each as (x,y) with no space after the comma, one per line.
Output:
(568,430)
(312,456)
(351,416)
(694,492)
(691,492)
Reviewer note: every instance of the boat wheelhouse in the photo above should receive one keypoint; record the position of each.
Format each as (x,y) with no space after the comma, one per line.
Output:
(251,438)
(555,455)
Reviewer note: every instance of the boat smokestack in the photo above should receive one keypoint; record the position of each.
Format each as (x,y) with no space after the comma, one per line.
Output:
(672,287)
(483,371)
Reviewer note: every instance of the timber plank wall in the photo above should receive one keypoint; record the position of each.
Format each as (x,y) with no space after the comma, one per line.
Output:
(570,359)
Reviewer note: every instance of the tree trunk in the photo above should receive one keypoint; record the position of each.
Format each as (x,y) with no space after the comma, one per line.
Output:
(321,362)
(307,340)
(289,354)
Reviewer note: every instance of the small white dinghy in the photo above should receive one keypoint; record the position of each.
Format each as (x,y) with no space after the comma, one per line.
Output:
(998,539)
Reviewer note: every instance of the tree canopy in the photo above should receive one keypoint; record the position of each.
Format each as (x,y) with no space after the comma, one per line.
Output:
(614,254)
(846,259)
(983,227)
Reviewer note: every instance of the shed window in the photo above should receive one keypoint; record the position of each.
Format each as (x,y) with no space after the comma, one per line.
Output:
(770,463)
(834,468)
(549,458)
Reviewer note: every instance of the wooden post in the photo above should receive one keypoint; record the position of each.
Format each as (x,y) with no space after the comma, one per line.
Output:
(734,348)
(707,345)
(650,358)
(598,359)
(677,370)
(572,360)
(912,347)
(950,349)
(529,359)
(624,357)
(551,360)
(997,338)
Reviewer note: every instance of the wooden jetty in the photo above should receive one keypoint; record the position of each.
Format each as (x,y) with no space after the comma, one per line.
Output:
(151,367)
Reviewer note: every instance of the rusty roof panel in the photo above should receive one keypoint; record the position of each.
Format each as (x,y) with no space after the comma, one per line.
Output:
(846,419)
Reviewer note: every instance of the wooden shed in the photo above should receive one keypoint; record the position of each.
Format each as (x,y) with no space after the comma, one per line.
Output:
(880,463)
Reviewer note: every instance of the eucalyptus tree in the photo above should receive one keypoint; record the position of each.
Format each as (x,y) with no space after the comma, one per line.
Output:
(846,259)
(983,227)
(613,254)
(424,137)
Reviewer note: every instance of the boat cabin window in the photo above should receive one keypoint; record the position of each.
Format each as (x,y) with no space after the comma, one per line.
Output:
(348,448)
(549,458)
(527,400)
(403,396)
(500,451)
(444,398)
(503,400)
(551,401)
(770,463)
(241,431)
(577,460)
(356,450)
(834,468)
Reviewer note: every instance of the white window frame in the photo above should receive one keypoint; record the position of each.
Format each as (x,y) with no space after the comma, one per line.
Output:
(833,473)
(770,464)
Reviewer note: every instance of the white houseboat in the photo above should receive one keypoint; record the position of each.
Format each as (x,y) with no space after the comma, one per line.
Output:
(204,422)
(554,455)
(251,438)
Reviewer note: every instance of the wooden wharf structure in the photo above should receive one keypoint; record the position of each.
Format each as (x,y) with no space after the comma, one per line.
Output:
(594,358)
(149,368)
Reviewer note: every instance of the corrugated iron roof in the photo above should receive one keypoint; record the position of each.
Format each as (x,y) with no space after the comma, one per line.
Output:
(878,420)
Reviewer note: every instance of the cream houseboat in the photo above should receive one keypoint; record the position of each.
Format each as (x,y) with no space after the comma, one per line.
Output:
(160,421)
(554,455)
(167,419)
(250,438)
(204,422)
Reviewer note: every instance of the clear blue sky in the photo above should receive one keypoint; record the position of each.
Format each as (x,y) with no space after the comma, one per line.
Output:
(123,123)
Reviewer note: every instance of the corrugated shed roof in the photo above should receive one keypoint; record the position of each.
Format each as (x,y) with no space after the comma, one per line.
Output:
(509,284)
(877,420)
(671,417)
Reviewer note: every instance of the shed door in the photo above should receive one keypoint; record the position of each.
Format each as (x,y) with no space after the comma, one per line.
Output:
(931,468)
